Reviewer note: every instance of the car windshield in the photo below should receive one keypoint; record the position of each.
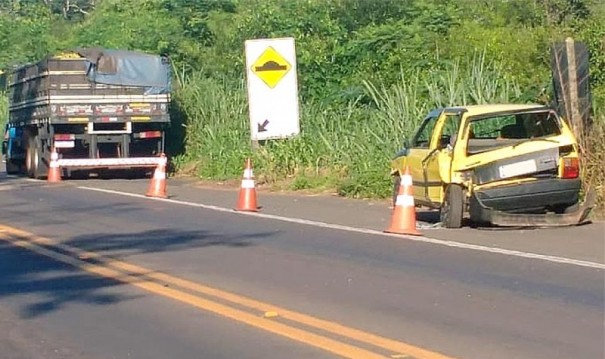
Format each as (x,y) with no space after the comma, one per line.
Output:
(499,130)
(422,137)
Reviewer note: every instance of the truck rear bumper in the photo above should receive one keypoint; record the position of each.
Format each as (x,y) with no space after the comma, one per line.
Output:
(80,163)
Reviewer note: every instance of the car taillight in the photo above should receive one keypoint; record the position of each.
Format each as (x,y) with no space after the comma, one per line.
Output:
(571,168)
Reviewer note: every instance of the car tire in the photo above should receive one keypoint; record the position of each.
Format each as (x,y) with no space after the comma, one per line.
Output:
(568,208)
(452,208)
(396,185)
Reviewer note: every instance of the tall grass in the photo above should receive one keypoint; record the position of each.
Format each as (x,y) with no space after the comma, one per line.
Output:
(483,82)
(593,160)
(346,148)
(215,122)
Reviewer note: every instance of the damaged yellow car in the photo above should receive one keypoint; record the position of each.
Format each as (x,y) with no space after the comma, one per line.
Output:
(507,165)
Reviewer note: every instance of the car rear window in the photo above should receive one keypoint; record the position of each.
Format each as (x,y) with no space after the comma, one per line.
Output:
(516,126)
(500,130)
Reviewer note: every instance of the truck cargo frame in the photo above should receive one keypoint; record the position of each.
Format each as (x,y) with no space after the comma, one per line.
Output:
(56,103)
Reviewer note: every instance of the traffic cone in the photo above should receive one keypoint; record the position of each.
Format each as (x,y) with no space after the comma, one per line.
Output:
(247,193)
(403,220)
(54,170)
(157,186)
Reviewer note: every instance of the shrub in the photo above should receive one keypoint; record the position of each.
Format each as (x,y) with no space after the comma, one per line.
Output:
(592,162)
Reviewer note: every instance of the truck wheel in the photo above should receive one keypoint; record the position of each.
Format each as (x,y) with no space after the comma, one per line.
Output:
(34,165)
(452,208)
(30,155)
(12,168)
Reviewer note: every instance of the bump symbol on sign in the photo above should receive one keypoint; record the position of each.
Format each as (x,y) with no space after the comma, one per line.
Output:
(271,67)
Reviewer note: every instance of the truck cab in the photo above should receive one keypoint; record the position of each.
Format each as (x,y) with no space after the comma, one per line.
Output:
(12,149)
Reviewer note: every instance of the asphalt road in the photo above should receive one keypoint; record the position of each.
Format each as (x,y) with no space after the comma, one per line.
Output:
(91,274)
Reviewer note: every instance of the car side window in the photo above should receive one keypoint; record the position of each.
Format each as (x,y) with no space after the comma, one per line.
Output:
(491,127)
(422,138)
(450,129)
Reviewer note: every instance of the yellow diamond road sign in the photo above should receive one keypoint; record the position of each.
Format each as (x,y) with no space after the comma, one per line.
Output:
(271,67)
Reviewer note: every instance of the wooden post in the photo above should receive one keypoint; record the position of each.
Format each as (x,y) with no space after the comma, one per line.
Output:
(255,145)
(572,75)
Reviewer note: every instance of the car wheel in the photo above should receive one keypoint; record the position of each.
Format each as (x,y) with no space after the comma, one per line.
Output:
(567,208)
(452,208)
(396,184)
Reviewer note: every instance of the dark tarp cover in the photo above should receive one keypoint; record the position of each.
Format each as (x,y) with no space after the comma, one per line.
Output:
(128,68)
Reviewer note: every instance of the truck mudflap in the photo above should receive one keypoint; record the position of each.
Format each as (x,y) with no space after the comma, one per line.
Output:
(506,219)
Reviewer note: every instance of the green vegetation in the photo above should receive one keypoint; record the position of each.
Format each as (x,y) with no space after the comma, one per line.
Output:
(368,71)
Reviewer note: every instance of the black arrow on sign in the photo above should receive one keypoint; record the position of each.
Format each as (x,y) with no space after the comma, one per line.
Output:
(262,127)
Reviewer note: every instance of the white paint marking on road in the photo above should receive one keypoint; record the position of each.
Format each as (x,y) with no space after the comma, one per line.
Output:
(508,252)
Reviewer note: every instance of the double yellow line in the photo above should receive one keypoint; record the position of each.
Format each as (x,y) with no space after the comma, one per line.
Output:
(265,316)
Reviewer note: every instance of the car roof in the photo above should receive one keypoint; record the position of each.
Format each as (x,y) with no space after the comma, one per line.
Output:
(474,110)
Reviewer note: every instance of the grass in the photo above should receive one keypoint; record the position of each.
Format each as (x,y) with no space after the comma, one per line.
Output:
(342,148)
(345,148)
(3,109)
(592,162)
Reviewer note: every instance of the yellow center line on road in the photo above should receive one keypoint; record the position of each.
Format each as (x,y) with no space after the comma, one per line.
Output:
(148,279)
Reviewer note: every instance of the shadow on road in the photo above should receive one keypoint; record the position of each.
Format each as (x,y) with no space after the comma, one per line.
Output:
(41,285)
(152,241)
(428,216)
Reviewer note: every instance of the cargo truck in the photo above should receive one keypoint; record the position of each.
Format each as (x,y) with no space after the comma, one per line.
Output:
(97,108)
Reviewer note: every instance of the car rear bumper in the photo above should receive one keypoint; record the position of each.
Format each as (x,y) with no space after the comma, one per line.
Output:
(531,196)
(526,204)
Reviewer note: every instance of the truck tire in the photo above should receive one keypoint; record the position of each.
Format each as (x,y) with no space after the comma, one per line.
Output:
(30,156)
(12,167)
(452,208)
(34,166)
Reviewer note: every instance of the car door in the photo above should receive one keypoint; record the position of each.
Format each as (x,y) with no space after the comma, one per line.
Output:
(436,165)
(419,149)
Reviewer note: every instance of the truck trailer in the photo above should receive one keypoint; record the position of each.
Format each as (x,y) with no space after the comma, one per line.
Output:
(97,108)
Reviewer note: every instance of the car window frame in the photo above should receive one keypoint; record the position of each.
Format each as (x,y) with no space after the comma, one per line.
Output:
(432,116)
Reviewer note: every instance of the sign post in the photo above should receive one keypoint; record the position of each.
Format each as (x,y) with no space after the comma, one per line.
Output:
(272,89)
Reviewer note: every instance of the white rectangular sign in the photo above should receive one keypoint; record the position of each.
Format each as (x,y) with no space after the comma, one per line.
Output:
(272,88)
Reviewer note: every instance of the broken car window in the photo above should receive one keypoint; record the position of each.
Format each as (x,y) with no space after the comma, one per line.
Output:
(423,136)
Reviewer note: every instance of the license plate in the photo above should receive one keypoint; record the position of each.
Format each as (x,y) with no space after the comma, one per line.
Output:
(65,144)
(518,168)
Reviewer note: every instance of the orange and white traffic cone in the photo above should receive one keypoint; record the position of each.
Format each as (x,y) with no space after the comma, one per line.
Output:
(247,193)
(54,169)
(403,220)
(157,186)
